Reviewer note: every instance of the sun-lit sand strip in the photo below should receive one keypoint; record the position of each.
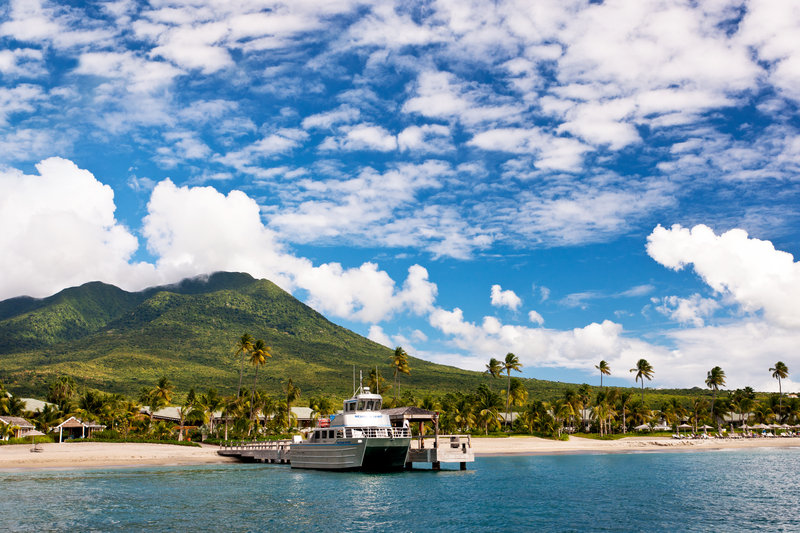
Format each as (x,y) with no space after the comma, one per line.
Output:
(537,446)
(101,454)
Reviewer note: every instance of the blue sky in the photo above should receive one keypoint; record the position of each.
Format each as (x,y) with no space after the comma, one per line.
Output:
(567,180)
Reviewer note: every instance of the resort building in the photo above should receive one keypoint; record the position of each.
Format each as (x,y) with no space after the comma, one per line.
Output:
(20,426)
(75,428)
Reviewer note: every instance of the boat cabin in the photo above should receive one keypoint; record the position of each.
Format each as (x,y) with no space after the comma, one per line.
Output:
(363,402)
(325,435)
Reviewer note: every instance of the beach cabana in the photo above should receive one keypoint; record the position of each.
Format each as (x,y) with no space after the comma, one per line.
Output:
(75,428)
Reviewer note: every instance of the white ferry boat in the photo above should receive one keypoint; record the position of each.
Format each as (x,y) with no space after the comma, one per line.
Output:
(360,438)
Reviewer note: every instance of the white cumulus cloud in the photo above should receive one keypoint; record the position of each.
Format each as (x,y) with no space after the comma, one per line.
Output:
(507,298)
(59,230)
(750,271)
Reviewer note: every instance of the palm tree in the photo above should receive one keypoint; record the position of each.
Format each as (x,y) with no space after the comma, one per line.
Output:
(184,410)
(511,363)
(11,405)
(158,397)
(643,370)
(258,356)
(7,431)
(47,417)
(292,394)
(625,400)
(487,403)
(562,410)
(243,346)
(698,406)
(604,369)
(463,414)
(400,366)
(209,403)
(677,411)
(780,371)
(62,391)
(762,413)
(714,380)
(377,383)
(322,406)
(518,393)
(494,368)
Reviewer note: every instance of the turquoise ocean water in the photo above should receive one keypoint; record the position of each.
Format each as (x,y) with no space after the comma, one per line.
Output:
(754,490)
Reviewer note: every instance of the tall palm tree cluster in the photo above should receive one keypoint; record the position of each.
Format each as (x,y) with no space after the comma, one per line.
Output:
(610,409)
(209,414)
(252,413)
(248,413)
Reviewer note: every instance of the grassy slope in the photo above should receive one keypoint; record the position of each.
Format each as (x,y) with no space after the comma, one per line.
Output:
(118,341)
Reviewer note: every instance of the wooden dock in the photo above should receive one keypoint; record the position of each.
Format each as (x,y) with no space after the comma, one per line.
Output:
(438,449)
(270,451)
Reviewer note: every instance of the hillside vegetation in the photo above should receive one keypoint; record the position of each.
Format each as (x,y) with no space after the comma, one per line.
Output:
(118,341)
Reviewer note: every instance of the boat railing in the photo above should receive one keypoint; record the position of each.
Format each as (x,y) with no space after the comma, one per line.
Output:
(450,441)
(378,433)
(256,445)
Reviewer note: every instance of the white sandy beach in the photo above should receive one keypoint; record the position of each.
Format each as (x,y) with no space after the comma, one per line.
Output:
(101,454)
(537,446)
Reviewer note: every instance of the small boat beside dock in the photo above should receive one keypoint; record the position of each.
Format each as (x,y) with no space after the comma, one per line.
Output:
(363,437)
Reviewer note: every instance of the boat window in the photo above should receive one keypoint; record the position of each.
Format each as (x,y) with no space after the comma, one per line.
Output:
(339,434)
(360,405)
(377,405)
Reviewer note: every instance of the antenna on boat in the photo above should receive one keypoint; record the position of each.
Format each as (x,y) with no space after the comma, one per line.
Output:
(360,380)
(354,380)
(377,381)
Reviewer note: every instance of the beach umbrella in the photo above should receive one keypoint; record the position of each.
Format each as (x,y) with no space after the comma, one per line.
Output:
(642,427)
(705,427)
(685,426)
(760,426)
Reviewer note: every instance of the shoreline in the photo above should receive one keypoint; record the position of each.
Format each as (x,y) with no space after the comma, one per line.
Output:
(72,455)
(520,446)
(79,455)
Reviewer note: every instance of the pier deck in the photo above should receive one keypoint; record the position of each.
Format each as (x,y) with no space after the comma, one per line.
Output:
(438,449)
(272,451)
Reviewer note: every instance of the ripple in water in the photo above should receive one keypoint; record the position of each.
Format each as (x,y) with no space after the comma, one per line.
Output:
(754,490)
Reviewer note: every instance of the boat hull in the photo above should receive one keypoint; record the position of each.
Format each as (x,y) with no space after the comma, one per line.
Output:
(365,454)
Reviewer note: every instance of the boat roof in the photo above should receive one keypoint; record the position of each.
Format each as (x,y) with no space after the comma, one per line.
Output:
(363,393)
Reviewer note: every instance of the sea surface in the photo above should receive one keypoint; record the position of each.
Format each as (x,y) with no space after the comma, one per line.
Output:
(752,490)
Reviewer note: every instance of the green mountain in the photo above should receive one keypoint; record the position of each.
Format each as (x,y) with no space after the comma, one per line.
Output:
(120,341)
